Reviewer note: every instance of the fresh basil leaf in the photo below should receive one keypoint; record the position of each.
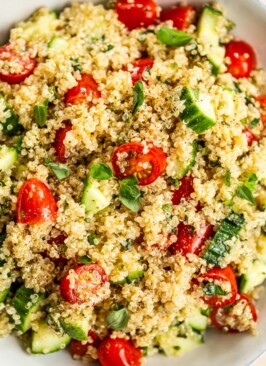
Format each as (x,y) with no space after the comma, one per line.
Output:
(109,47)
(93,239)
(210,289)
(138,97)
(130,181)
(61,171)
(254,123)
(173,37)
(245,193)
(129,195)
(40,113)
(227,178)
(206,312)
(11,125)
(84,259)
(251,182)
(101,171)
(117,319)
(174,182)
(19,143)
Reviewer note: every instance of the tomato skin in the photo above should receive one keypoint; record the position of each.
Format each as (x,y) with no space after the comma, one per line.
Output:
(184,191)
(86,88)
(136,13)
(119,352)
(35,204)
(59,145)
(188,241)
(7,54)
(242,59)
(155,157)
(80,348)
(72,295)
(139,66)
(262,100)
(181,16)
(220,325)
(58,241)
(250,136)
(223,275)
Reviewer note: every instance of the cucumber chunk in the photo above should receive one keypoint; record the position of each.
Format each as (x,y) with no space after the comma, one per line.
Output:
(47,340)
(57,43)
(199,114)
(77,328)
(26,303)
(92,197)
(4,294)
(183,167)
(8,157)
(255,276)
(208,32)
(198,321)
(135,275)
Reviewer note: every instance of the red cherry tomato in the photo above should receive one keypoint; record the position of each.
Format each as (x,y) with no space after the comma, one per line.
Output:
(59,145)
(220,316)
(184,190)
(188,241)
(242,59)
(136,13)
(35,204)
(58,241)
(15,67)
(220,275)
(131,159)
(262,100)
(86,90)
(182,16)
(83,284)
(250,136)
(139,67)
(119,352)
(80,348)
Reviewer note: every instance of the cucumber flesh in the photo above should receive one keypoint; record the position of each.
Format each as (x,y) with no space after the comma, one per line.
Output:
(135,275)
(76,328)
(255,276)
(57,43)
(198,322)
(26,303)
(47,340)
(4,294)
(199,114)
(183,167)
(8,157)
(93,199)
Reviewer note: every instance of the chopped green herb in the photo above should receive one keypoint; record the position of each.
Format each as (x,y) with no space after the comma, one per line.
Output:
(173,37)
(227,178)
(93,239)
(19,143)
(60,170)
(167,208)
(138,97)
(128,244)
(254,123)
(206,312)
(237,87)
(84,259)
(101,171)
(211,289)
(245,193)
(75,64)
(40,113)
(129,194)
(174,182)
(252,181)
(117,319)
(109,47)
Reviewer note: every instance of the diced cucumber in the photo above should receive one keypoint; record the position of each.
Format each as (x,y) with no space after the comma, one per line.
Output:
(10,125)
(47,340)
(198,321)
(4,294)
(76,328)
(57,43)
(255,276)
(8,157)
(42,23)
(199,114)
(208,32)
(26,303)
(92,197)
(135,275)
(183,167)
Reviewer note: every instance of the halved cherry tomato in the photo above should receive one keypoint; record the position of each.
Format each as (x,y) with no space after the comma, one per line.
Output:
(220,275)
(59,145)
(83,283)
(181,16)
(139,67)
(250,136)
(136,13)
(35,204)
(220,315)
(184,190)
(86,90)
(80,348)
(119,352)
(242,59)
(15,67)
(262,100)
(188,241)
(131,159)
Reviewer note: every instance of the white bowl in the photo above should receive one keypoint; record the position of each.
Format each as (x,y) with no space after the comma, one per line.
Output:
(219,349)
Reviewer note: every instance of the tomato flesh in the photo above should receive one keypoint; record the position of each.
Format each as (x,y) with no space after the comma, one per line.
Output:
(242,59)
(184,191)
(220,275)
(119,352)
(181,16)
(262,100)
(15,67)
(136,13)
(131,159)
(219,321)
(59,145)
(188,241)
(139,67)
(85,90)
(249,136)
(85,285)
(35,204)
(80,348)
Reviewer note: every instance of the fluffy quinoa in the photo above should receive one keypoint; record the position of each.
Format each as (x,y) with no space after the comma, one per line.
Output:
(127,241)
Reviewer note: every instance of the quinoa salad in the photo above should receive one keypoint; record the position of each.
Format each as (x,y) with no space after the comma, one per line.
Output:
(132,180)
